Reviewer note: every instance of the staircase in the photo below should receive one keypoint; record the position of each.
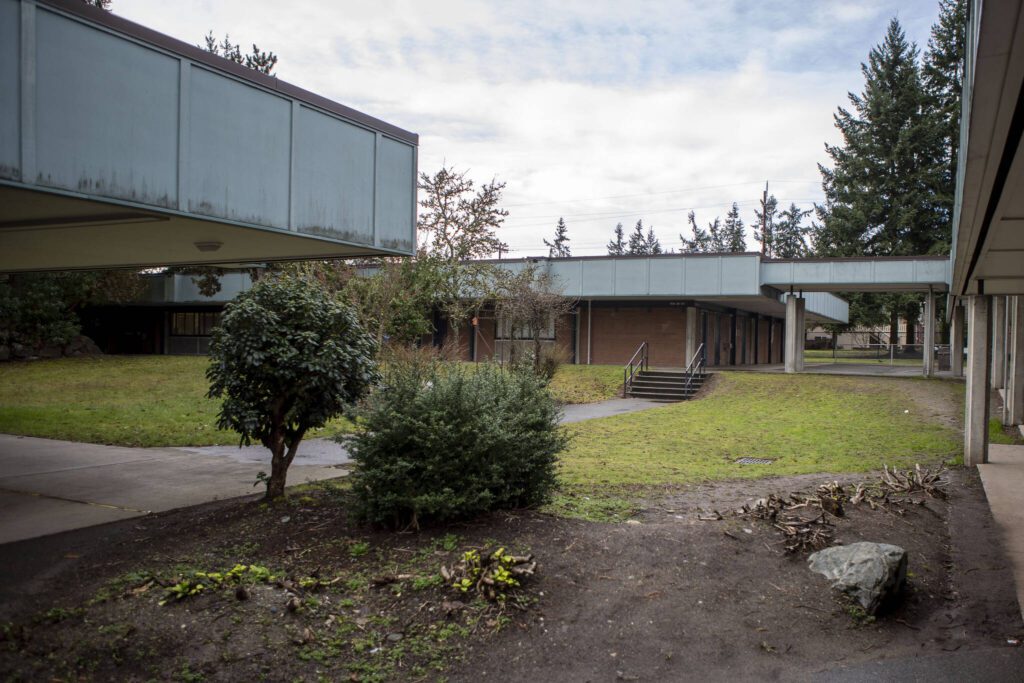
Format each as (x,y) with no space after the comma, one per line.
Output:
(639,381)
(665,385)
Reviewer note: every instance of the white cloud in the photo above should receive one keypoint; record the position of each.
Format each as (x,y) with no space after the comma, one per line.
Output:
(581,100)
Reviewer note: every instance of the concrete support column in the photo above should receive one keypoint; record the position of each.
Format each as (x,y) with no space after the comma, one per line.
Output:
(979,372)
(956,341)
(998,341)
(794,341)
(1014,413)
(801,332)
(928,343)
(692,316)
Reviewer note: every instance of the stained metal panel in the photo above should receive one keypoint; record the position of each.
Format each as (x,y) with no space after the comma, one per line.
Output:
(932,271)
(599,278)
(334,177)
(813,272)
(396,164)
(740,274)
(894,271)
(825,305)
(704,276)
(239,144)
(569,276)
(106,125)
(859,274)
(631,277)
(852,271)
(10,89)
(667,276)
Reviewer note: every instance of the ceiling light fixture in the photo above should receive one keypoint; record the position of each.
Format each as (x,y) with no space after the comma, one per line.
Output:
(212,245)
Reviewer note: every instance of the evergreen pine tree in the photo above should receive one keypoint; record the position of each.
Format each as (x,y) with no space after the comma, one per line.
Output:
(617,247)
(790,235)
(701,242)
(883,191)
(880,193)
(733,235)
(764,225)
(559,248)
(716,236)
(637,240)
(652,244)
(942,75)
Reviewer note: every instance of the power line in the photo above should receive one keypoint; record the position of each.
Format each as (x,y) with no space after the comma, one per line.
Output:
(651,194)
(591,217)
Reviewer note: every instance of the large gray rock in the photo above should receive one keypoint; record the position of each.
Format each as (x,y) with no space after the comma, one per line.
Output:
(869,572)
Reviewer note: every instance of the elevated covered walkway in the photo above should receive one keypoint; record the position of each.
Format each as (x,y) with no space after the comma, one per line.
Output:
(123,147)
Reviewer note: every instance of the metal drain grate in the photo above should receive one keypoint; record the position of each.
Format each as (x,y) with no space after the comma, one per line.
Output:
(754,461)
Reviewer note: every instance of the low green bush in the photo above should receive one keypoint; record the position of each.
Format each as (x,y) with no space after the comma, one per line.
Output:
(442,443)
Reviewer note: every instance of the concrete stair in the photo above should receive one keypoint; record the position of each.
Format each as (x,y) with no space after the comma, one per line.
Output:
(664,385)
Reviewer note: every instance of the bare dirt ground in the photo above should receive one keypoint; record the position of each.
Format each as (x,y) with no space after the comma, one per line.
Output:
(668,598)
(676,598)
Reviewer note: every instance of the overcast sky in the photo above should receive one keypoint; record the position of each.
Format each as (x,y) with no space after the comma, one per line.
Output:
(596,111)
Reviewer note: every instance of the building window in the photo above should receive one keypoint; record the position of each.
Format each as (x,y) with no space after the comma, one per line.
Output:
(505,330)
(194,324)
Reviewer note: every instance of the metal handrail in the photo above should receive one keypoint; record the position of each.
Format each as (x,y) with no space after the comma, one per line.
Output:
(696,367)
(633,366)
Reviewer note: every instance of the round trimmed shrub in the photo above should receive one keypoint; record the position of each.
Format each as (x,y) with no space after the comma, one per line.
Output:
(286,358)
(444,441)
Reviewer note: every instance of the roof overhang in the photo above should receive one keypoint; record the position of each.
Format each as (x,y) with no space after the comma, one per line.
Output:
(988,236)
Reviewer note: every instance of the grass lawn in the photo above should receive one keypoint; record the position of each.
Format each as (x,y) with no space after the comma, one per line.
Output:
(122,400)
(586,383)
(997,434)
(161,400)
(804,423)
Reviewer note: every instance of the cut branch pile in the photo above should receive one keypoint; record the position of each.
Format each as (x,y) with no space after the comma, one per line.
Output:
(490,575)
(802,533)
(917,480)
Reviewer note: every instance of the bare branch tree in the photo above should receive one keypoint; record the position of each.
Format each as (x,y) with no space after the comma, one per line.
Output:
(529,302)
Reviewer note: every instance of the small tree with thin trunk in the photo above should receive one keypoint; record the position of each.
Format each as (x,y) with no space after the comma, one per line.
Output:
(286,358)
(529,300)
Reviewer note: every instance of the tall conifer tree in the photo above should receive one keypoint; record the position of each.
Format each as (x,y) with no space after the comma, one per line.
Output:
(559,248)
(883,192)
(733,234)
(701,242)
(653,245)
(943,84)
(617,247)
(637,240)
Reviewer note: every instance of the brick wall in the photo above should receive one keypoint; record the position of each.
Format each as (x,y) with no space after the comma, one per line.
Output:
(617,332)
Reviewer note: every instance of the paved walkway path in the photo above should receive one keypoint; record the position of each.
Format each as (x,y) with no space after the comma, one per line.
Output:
(1003,478)
(48,486)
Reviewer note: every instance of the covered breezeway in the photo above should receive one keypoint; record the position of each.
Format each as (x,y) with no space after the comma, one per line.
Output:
(928,275)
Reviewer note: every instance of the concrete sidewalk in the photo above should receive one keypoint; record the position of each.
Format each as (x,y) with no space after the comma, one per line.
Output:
(853,369)
(47,486)
(1003,478)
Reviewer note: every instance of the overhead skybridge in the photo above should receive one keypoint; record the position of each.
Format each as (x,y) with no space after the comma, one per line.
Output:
(859,274)
(123,147)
